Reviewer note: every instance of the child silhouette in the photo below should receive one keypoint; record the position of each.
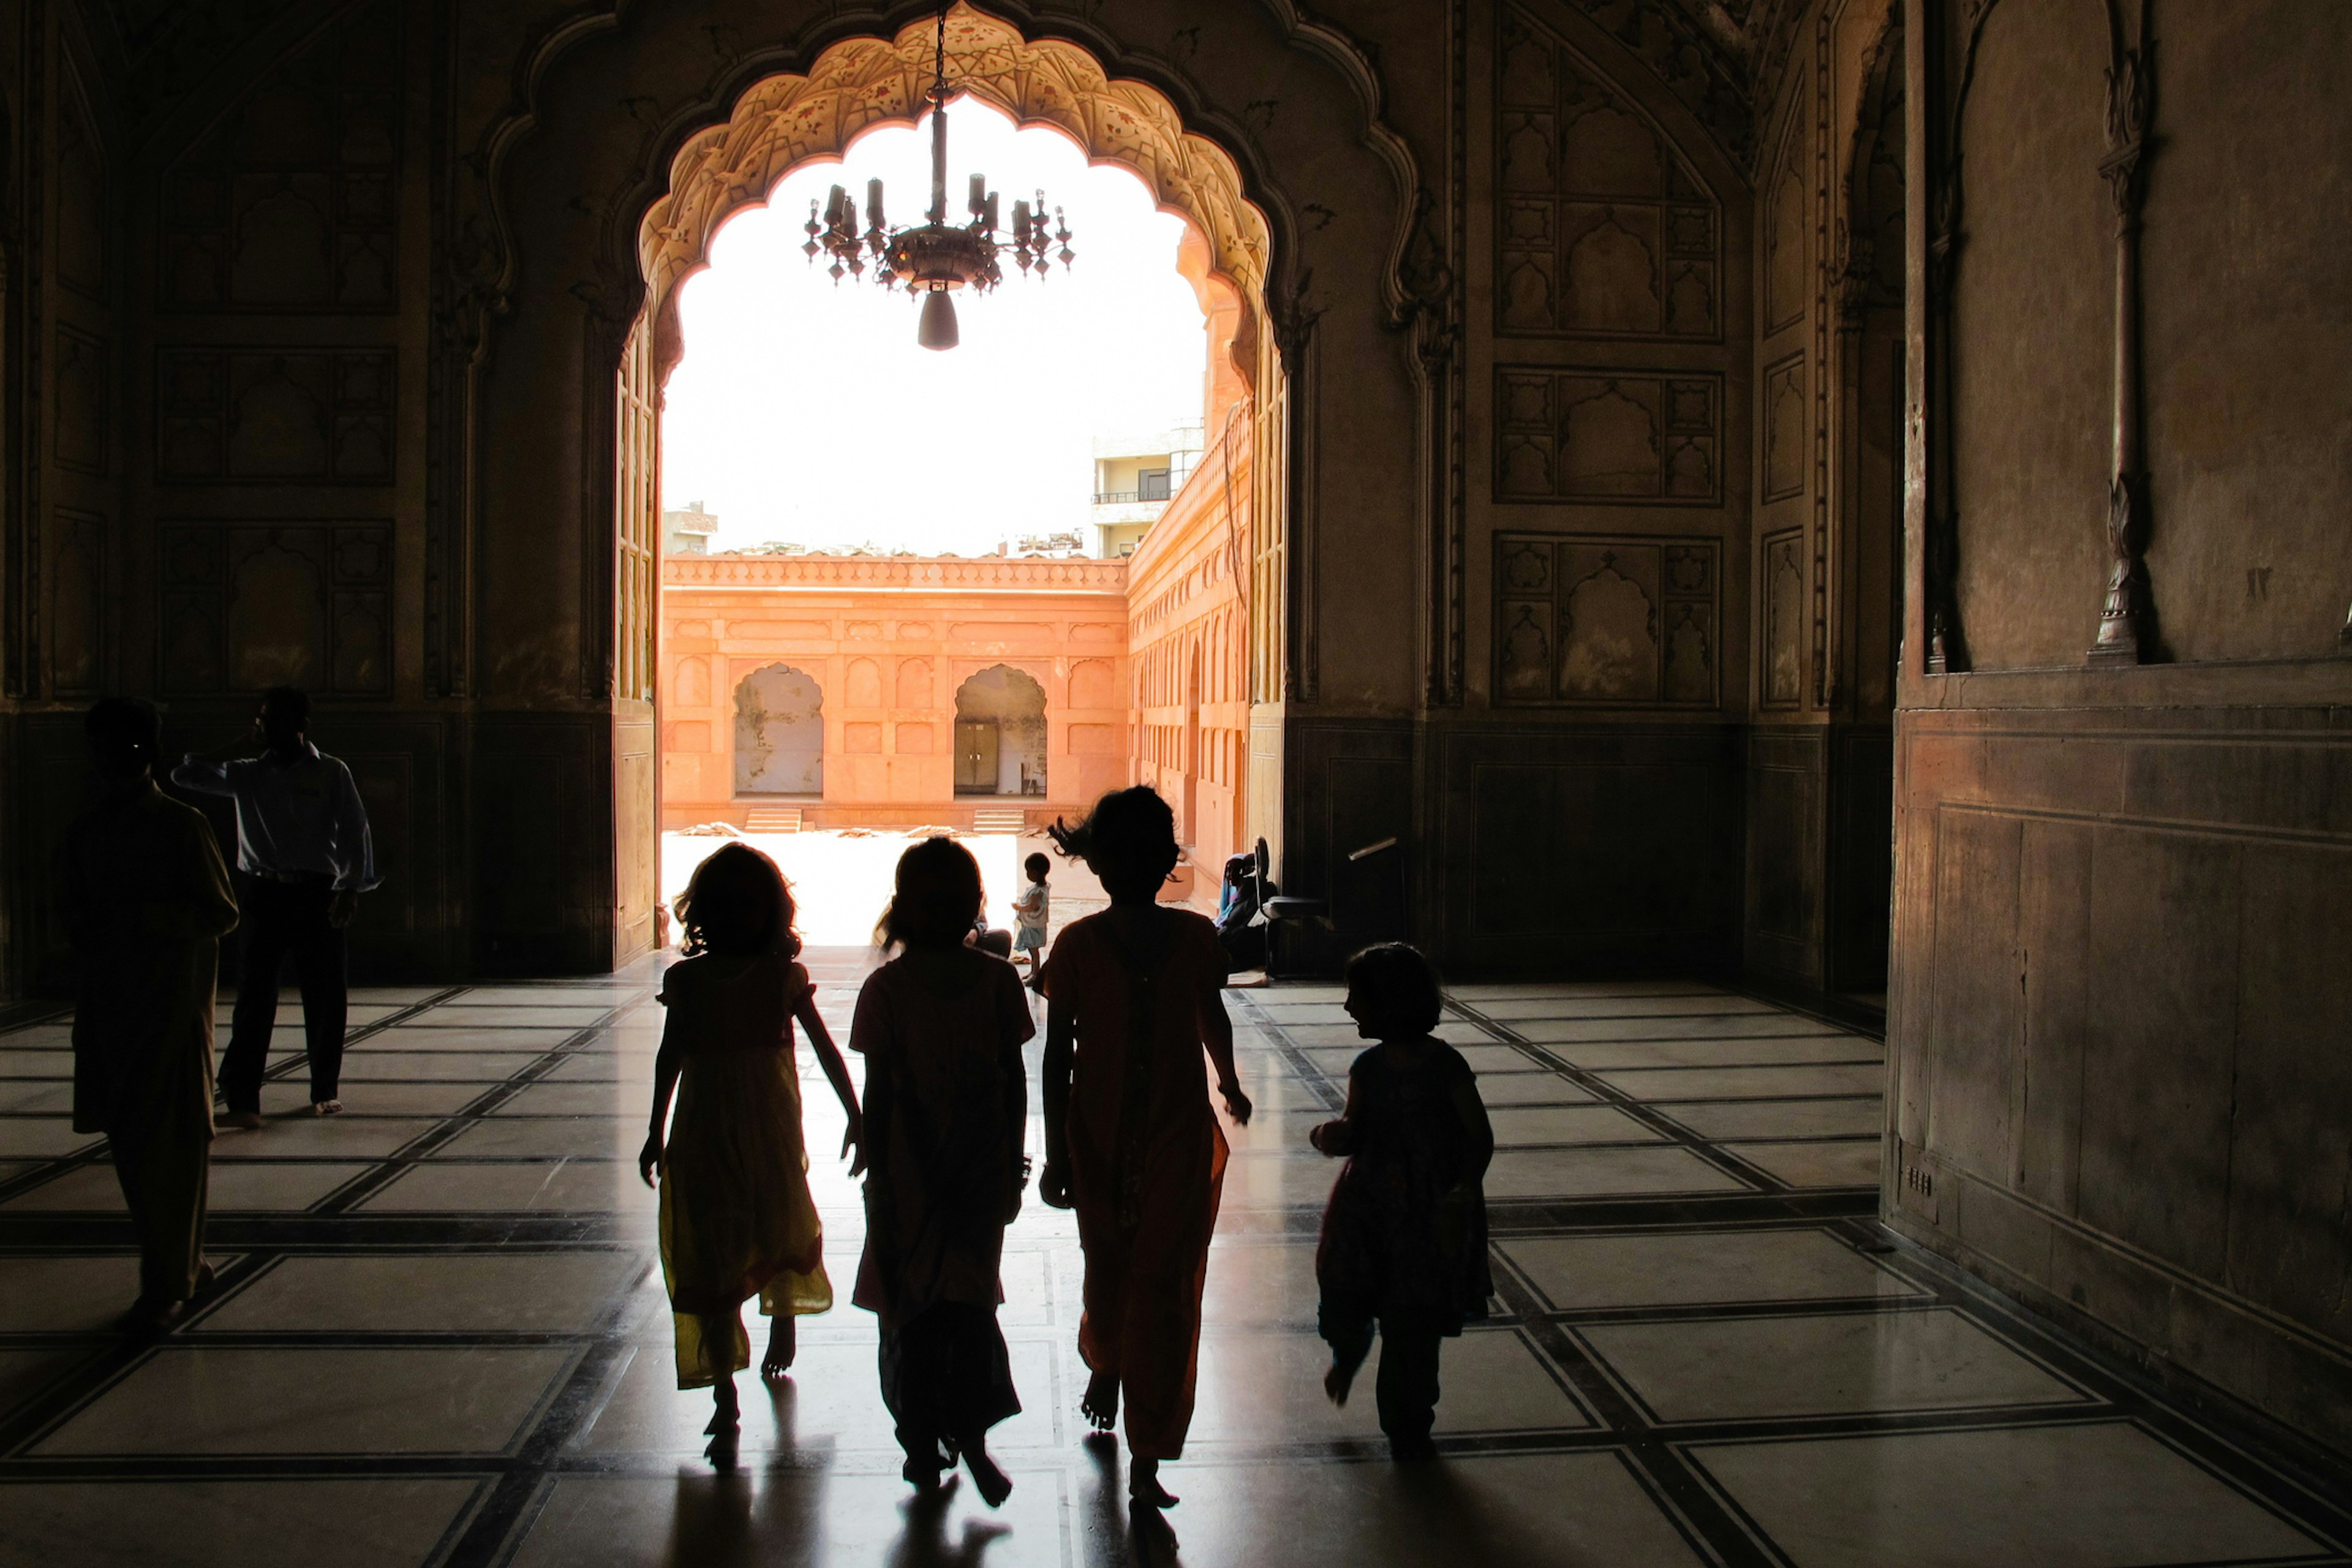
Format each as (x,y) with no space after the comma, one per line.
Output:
(1133,996)
(947,1102)
(736,1217)
(1404,1235)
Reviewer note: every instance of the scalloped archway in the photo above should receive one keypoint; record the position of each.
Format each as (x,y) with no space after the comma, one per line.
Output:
(858,84)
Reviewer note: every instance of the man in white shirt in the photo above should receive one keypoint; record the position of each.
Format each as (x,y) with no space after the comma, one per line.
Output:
(303,856)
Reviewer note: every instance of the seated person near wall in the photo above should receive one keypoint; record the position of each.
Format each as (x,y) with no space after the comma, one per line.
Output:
(1238,903)
(989,939)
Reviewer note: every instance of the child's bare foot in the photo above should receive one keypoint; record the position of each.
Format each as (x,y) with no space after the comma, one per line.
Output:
(922,1471)
(783,1346)
(1100,1406)
(1337,1381)
(995,1485)
(725,1431)
(1143,1484)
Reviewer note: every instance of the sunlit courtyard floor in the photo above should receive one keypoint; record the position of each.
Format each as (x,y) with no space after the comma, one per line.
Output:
(841,880)
(440,1337)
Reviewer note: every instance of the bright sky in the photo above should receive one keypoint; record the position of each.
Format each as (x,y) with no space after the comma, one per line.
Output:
(805,412)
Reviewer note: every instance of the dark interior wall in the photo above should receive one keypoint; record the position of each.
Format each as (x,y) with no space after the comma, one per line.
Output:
(276,260)
(2120,1086)
(2247,335)
(65,539)
(2032,325)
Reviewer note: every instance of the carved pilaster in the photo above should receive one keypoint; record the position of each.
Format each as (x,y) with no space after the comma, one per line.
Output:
(1293,321)
(1949,81)
(1434,336)
(2124,610)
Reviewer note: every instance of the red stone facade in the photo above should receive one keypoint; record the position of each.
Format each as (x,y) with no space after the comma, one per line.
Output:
(888,643)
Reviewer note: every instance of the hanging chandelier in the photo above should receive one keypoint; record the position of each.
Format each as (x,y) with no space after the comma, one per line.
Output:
(937,257)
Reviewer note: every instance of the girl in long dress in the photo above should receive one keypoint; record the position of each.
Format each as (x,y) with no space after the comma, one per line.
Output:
(1133,997)
(941,1026)
(736,1217)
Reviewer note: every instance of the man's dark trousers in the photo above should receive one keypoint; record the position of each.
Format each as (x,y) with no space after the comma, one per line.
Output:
(278,920)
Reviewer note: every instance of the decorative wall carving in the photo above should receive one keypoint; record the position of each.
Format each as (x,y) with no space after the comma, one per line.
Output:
(1784,618)
(862,684)
(80,417)
(1587,621)
(914,689)
(77,610)
(1788,229)
(253,415)
(889,571)
(290,203)
(1788,428)
(248,606)
(1615,436)
(82,209)
(1604,229)
(1092,684)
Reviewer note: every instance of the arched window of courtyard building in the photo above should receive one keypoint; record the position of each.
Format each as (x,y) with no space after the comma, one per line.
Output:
(1000,733)
(778,733)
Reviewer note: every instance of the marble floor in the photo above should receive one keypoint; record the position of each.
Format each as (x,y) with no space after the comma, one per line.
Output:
(439,1335)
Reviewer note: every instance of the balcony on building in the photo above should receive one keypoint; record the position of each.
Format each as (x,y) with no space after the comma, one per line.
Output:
(688,529)
(1135,477)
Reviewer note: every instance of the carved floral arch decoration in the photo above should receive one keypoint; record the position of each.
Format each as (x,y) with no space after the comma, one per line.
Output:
(861,83)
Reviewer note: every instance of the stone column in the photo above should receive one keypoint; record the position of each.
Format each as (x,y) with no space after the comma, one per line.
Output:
(2120,617)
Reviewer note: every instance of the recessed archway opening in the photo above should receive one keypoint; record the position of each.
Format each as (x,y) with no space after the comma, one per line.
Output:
(999,727)
(1870,388)
(779,734)
(961,618)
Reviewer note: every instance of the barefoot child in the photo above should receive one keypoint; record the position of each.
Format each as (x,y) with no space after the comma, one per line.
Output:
(947,1101)
(1133,999)
(736,1218)
(1030,911)
(1404,1237)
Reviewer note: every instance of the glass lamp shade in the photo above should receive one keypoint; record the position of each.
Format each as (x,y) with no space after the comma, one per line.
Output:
(936,327)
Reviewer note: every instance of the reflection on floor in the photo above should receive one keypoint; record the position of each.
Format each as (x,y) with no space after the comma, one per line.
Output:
(440,1336)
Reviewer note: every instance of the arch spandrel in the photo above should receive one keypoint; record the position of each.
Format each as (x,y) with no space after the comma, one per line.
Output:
(861,83)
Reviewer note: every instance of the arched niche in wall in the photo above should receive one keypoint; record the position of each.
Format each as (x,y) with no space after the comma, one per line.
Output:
(778,733)
(1000,730)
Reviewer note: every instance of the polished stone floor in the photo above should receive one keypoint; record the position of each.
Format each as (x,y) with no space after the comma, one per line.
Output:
(440,1337)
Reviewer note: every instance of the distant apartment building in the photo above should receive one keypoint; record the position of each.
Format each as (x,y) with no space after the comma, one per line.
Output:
(1136,476)
(688,529)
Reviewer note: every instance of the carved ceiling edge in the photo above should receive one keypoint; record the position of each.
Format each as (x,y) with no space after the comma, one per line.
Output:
(1358,66)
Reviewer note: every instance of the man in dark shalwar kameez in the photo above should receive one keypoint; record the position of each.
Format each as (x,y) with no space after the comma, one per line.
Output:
(147,901)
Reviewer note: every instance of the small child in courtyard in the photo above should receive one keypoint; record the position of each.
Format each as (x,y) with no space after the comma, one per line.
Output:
(736,1217)
(1030,915)
(1404,1237)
